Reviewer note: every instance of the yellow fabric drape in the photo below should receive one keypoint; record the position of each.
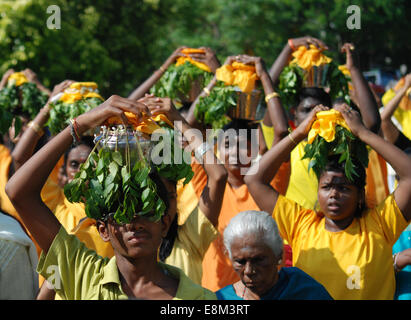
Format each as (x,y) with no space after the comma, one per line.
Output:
(308,58)
(80,90)
(325,124)
(181,60)
(238,74)
(18,78)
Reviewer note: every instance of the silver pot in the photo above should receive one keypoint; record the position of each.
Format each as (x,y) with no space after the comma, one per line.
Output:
(247,105)
(120,138)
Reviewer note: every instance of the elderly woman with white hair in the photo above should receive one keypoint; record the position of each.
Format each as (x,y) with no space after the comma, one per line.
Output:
(255,248)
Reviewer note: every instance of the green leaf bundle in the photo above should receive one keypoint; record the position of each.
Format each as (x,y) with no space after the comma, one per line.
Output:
(212,109)
(345,144)
(107,184)
(291,82)
(61,112)
(19,100)
(178,168)
(177,81)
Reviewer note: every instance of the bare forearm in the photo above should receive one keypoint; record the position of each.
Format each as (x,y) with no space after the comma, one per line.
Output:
(400,162)
(389,130)
(280,63)
(212,195)
(28,141)
(25,185)
(146,86)
(276,111)
(367,104)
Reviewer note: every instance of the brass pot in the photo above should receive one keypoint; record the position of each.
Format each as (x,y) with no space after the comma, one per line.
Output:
(247,105)
(195,90)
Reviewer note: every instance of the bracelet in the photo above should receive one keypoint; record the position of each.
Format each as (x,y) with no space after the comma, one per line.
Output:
(271,95)
(73,131)
(206,91)
(408,92)
(36,128)
(292,140)
(162,69)
(201,150)
(290,43)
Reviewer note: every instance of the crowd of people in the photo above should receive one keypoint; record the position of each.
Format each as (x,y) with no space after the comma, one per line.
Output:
(267,228)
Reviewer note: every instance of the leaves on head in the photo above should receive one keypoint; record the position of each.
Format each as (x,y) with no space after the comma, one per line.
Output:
(16,100)
(345,144)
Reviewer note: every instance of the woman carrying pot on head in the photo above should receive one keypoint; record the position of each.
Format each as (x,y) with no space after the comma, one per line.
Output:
(345,246)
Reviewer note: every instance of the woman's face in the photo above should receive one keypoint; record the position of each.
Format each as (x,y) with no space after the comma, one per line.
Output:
(337,196)
(75,158)
(255,263)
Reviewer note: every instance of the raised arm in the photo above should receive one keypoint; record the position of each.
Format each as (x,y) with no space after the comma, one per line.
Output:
(399,160)
(276,112)
(209,58)
(362,92)
(258,184)
(25,185)
(146,85)
(28,141)
(284,57)
(390,131)
(212,195)
(32,77)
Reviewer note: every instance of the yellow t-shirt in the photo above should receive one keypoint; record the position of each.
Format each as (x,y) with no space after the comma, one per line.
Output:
(69,214)
(303,185)
(353,264)
(193,239)
(84,275)
(404,118)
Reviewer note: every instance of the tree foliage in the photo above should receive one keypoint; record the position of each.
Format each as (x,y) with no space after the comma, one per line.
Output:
(118,44)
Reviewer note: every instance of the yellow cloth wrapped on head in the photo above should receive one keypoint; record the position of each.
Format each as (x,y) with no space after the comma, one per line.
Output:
(18,78)
(181,60)
(80,90)
(308,58)
(238,74)
(325,124)
(146,125)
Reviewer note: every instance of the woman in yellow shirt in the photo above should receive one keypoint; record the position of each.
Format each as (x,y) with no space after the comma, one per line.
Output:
(344,246)
(134,272)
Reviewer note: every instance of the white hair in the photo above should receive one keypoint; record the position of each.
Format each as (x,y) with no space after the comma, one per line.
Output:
(257,223)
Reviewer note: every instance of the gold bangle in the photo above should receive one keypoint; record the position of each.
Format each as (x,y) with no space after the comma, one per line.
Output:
(291,138)
(162,69)
(271,95)
(36,128)
(206,91)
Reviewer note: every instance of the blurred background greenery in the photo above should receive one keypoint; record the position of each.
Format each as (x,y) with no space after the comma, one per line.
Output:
(118,44)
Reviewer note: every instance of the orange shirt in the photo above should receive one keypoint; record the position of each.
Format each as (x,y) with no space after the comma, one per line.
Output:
(51,193)
(217,269)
